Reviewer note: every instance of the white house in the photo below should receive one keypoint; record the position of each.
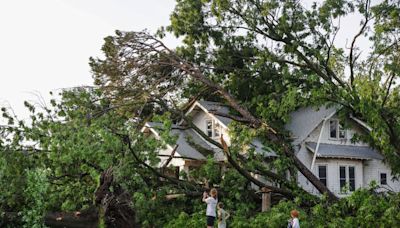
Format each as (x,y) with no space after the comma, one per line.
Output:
(318,138)
(326,148)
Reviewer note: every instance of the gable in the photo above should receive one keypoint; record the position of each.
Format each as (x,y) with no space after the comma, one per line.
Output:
(353,127)
(305,120)
(215,107)
(211,109)
(201,111)
(189,144)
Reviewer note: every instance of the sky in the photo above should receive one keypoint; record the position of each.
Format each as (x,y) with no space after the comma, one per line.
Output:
(45,44)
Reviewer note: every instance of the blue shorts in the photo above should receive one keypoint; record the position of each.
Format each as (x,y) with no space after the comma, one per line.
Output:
(210,220)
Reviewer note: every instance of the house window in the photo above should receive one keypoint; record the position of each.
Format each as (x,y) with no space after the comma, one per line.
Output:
(383,179)
(342,178)
(209,128)
(213,129)
(217,129)
(336,130)
(342,132)
(347,178)
(322,174)
(352,179)
(333,128)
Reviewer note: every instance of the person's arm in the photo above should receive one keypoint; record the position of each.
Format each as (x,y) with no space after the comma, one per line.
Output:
(205,196)
(219,216)
(227,215)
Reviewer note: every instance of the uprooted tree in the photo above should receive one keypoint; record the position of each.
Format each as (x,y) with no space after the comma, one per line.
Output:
(79,158)
(262,58)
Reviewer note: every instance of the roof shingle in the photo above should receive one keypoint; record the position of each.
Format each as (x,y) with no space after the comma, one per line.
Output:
(344,151)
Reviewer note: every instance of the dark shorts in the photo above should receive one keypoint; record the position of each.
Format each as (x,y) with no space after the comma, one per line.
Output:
(210,220)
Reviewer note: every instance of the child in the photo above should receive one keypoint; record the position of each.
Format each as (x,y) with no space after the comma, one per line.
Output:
(222,216)
(294,222)
(211,206)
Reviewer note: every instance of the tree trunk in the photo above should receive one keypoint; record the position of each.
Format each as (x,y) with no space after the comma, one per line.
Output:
(86,219)
(115,203)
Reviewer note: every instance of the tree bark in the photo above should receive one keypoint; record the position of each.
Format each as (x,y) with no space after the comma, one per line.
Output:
(115,204)
(86,219)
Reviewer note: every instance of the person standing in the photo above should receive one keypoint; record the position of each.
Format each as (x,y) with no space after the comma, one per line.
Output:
(211,202)
(222,215)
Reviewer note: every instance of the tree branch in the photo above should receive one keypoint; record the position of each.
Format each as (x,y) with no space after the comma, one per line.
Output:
(170,157)
(248,176)
(351,57)
(233,117)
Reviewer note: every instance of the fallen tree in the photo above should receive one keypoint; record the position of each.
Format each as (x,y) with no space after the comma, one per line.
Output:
(146,55)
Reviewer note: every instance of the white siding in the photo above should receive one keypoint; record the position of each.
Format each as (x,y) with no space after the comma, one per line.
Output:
(333,174)
(372,171)
(306,157)
(174,162)
(325,137)
(199,120)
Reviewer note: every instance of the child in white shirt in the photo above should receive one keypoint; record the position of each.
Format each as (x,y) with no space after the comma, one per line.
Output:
(211,206)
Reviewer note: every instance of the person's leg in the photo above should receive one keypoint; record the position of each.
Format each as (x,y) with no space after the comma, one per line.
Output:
(210,221)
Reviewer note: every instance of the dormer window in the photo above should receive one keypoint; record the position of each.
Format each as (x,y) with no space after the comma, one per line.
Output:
(336,131)
(217,129)
(213,128)
(209,128)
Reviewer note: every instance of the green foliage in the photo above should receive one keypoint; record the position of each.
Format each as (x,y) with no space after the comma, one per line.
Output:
(278,216)
(364,208)
(195,220)
(12,166)
(209,172)
(54,162)
(36,203)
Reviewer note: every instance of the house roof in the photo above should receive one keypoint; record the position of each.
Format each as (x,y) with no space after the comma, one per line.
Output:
(185,136)
(260,148)
(211,107)
(304,120)
(344,151)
